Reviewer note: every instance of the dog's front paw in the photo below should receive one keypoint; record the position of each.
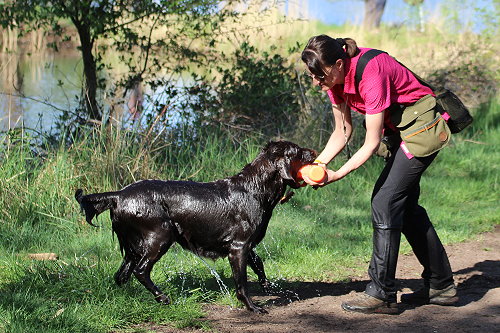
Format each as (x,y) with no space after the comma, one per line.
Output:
(258,309)
(163,299)
(254,308)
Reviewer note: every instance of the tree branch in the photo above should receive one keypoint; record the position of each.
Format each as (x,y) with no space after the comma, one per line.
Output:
(34,100)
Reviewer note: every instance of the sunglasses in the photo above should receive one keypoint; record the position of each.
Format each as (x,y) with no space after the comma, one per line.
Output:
(319,78)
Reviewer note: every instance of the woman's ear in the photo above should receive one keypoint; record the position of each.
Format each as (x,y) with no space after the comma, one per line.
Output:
(339,64)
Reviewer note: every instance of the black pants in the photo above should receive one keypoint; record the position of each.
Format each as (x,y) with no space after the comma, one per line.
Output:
(395,209)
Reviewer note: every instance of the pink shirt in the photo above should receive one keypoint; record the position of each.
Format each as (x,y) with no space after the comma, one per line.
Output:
(384,82)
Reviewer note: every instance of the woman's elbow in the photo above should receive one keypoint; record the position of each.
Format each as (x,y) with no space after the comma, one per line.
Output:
(372,146)
(375,150)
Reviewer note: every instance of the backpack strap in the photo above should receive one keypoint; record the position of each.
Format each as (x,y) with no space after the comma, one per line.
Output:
(369,55)
(362,62)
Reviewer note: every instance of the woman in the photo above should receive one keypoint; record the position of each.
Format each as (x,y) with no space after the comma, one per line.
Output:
(331,63)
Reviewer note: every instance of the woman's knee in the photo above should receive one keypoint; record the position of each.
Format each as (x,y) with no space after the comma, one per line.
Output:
(387,213)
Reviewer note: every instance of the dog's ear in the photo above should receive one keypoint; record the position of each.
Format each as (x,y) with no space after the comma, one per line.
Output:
(285,169)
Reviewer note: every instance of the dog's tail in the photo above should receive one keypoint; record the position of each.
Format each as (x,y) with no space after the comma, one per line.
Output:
(95,204)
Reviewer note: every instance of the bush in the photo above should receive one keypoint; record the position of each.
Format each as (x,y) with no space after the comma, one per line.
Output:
(258,93)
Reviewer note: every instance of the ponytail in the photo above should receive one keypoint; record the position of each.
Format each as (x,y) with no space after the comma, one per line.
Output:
(352,48)
(349,45)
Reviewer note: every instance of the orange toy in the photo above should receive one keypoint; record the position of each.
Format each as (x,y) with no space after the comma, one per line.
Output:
(314,172)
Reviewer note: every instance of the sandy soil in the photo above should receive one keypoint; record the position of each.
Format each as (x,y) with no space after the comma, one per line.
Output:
(315,307)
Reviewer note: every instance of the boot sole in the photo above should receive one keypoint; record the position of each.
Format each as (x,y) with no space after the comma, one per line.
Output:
(444,300)
(435,300)
(388,309)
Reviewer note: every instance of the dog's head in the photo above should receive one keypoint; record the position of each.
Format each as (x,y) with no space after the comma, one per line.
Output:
(287,157)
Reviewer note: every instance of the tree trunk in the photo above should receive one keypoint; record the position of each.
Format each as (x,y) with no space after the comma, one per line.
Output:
(373,13)
(90,72)
(421,18)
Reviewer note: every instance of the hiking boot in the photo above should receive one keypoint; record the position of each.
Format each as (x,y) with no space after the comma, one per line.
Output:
(427,295)
(369,304)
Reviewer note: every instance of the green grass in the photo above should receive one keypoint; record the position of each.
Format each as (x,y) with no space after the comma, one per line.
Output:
(320,235)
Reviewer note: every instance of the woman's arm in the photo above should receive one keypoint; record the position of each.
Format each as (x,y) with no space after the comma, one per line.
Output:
(340,135)
(374,126)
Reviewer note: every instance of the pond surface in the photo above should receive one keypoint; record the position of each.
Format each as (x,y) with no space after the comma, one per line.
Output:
(34,89)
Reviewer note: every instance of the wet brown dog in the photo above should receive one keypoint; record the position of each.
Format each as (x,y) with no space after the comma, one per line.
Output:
(228,217)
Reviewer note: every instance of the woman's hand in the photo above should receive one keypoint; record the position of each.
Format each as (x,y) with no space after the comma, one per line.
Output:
(308,181)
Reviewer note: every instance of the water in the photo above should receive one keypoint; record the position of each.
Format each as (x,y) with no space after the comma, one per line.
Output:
(184,271)
(221,284)
(34,90)
(276,288)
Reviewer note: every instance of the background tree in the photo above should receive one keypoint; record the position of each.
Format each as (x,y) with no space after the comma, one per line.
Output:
(417,5)
(374,9)
(149,35)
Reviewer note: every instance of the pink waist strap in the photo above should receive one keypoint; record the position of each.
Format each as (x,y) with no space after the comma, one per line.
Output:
(405,150)
(445,116)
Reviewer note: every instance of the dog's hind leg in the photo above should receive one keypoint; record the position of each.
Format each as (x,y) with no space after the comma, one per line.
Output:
(156,247)
(238,259)
(257,266)
(125,271)
(127,240)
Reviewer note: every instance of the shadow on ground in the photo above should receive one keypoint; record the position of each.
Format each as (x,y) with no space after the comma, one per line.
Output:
(478,280)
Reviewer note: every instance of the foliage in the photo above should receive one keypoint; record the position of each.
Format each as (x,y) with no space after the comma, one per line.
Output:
(150,36)
(490,19)
(256,93)
(478,16)
(414,2)
(472,81)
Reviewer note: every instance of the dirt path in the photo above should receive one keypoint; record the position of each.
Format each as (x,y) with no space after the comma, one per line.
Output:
(316,307)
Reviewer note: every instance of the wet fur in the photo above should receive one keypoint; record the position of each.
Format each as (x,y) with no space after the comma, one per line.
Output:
(227,217)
